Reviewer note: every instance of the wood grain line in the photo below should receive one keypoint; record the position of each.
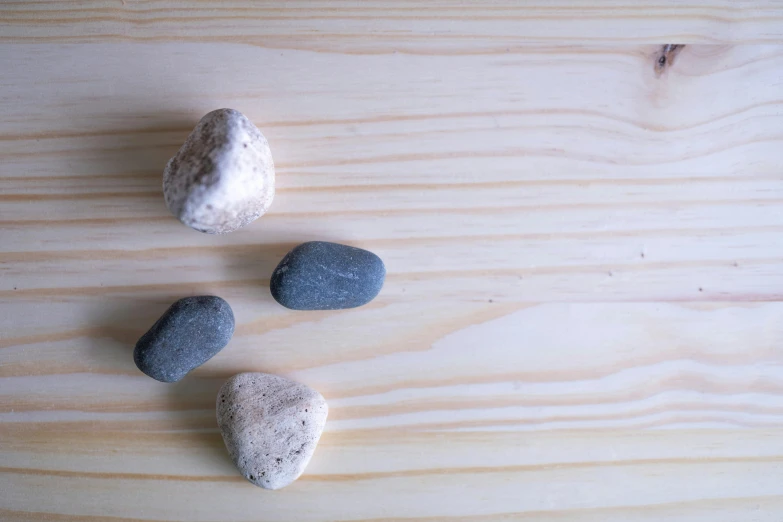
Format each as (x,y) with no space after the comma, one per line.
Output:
(477,210)
(670,509)
(435,274)
(390,44)
(26,516)
(153,175)
(389,118)
(282,249)
(667,509)
(80,196)
(380,475)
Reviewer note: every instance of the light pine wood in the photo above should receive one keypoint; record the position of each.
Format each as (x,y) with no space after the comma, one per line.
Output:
(356,26)
(582,319)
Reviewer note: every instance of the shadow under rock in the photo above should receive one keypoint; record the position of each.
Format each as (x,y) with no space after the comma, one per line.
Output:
(190,401)
(116,169)
(195,398)
(253,262)
(256,262)
(137,148)
(132,161)
(119,324)
(195,394)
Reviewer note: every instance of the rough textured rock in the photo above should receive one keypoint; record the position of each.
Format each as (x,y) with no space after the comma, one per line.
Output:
(223,177)
(327,276)
(270,425)
(186,336)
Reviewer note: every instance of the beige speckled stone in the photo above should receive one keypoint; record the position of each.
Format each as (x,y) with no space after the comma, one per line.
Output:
(270,425)
(223,177)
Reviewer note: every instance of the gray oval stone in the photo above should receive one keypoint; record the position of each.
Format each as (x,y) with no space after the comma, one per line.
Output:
(327,276)
(270,425)
(188,334)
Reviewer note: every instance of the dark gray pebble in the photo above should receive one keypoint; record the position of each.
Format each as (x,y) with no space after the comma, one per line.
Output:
(191,332)
(327,276)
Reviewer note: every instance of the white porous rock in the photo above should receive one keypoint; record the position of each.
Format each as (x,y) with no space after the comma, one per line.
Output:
(223,177)
(270,425)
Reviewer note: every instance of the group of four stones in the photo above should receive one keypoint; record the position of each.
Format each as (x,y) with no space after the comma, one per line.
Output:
(222,179)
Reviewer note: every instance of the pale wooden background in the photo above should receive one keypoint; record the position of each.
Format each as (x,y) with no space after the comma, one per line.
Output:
(582,319)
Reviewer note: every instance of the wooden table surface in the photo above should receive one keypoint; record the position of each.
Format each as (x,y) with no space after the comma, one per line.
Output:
(583,314)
